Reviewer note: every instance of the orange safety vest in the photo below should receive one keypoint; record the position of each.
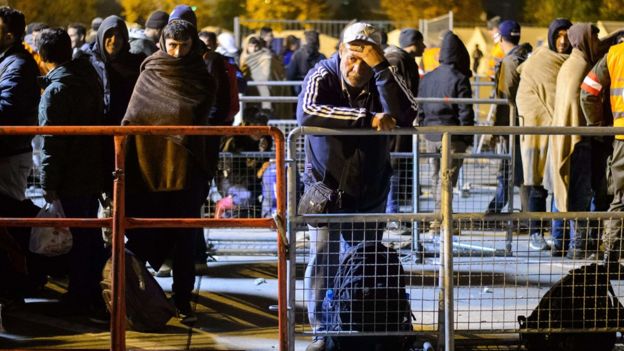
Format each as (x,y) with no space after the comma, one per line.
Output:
(615,65)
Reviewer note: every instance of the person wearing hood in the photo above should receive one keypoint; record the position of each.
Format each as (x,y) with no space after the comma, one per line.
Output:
(506,81)
(304,58)
(70,168)
(171,173)
(118,71)
(536,102)
(603,105)
(570,155)
(226,46)
(449,80)
(117,68)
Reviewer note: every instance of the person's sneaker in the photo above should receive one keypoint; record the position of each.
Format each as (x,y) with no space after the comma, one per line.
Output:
(164,271)
(537,242)
(186,315)
(317,345)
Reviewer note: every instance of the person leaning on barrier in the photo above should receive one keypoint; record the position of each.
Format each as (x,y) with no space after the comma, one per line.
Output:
(168,175)
(353,89)
(71,166)
(536,102)
(606,79)
(451,79)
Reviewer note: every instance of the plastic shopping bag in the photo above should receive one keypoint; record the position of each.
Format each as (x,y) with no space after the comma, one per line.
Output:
(50,241)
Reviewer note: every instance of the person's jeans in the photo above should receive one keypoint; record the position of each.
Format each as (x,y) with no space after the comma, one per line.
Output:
(327,245)
(503,178)
(579,196)
(537,203)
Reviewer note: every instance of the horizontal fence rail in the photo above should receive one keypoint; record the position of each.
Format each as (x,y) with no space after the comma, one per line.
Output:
(119,222)
(470,282)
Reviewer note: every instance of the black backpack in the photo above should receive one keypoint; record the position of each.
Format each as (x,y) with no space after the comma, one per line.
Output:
(583,299)
(369,296)
(147,307)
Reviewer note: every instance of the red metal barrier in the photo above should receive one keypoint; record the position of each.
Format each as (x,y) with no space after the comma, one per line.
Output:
(119,222)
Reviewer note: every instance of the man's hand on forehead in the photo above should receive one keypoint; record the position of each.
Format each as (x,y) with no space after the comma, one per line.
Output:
(369,53)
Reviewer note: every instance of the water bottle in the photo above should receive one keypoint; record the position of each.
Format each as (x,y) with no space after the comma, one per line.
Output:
(327,307)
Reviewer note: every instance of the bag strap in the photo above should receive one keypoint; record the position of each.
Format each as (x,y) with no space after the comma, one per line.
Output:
(338,188)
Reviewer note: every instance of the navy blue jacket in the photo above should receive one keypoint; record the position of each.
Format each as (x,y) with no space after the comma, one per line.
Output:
(365,161)
(449,80)
(19,97)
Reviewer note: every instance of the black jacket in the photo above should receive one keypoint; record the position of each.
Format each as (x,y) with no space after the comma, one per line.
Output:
(73,96)
(301,62)
(449,80)
(406,66)
(363,162)
(19,97)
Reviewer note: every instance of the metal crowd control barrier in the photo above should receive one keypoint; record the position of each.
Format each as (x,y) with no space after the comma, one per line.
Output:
(119,222)
(479,293)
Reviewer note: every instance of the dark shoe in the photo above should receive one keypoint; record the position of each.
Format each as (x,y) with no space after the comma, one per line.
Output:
(317,345)
(577,253)
(537,242)
(186,315)
(98,315)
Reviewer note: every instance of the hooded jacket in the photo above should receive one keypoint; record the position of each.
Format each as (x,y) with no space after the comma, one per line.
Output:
(19,97)
(553,32)
(535,101)
(71,165)
(179,92)
(363,162)
(117,74)
(449,80)
(568,111)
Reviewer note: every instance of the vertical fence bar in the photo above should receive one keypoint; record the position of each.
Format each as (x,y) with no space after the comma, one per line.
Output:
(447,224)
(512,176)
(282,294)
(291,145)
(237,31)
(118,315)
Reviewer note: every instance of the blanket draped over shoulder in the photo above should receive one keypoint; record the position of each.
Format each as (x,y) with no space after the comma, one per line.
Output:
(170,92)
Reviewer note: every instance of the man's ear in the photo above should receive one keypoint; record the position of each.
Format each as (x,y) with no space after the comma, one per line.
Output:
(10,37)
(341,49)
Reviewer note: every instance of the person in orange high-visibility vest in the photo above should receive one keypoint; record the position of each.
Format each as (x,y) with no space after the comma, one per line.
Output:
(607,79)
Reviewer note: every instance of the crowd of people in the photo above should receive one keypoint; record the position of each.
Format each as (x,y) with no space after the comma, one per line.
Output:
(170,73)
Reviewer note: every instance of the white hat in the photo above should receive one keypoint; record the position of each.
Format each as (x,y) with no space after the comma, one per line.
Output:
(361,31)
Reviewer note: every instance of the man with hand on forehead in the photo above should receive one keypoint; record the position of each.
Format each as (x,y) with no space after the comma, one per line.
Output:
(356,88)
